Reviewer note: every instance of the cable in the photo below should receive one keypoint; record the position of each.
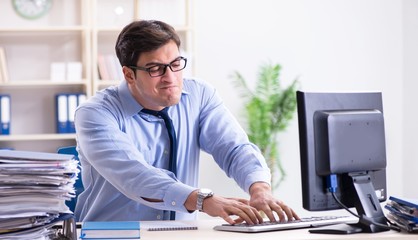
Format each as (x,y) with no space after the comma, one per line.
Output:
(332,183)
(364,219)
(343,206)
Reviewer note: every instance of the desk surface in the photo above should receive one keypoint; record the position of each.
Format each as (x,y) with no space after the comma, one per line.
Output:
(205,231)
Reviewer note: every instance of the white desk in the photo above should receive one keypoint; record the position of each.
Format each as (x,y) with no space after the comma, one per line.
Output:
(206,231)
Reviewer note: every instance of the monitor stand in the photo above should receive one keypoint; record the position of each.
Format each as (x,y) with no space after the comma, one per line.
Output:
(366,204)
(338,229)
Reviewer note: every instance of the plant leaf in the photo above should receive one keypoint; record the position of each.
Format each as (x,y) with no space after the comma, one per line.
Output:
(269,109)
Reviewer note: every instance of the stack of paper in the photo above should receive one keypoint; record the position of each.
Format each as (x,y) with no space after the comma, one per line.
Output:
(33,189)
(403,213)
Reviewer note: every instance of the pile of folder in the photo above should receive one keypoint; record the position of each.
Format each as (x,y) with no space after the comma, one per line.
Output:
(33,189)
(66,104)
(403,213)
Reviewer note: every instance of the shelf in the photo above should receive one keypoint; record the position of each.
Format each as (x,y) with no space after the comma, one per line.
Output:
(42,83)
(36,137)
(118,29)
(38,30)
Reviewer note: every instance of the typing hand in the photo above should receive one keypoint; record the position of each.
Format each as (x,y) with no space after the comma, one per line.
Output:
(217,206)
(263,200)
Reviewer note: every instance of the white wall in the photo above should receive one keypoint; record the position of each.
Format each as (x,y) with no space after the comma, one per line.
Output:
(344,45)
(410,121)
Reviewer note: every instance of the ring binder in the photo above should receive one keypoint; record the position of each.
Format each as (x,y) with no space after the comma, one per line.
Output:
(5,114)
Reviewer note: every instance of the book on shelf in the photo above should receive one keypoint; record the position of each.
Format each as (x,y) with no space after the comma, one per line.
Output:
(66,71)
(110,230)
(5,114)
(101,67)
(74,71)
(109,67)
(4,74)
(57,71)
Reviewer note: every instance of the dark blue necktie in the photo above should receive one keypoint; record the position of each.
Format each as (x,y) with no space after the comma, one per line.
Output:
(172,166)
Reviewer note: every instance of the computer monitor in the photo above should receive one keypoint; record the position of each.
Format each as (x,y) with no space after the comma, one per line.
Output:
(342,150)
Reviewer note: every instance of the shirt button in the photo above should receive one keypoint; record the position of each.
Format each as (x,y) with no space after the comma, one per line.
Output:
(158,217)
(165,151)
(173,203)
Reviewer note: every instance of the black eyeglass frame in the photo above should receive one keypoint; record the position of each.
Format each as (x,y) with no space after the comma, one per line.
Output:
(148,69)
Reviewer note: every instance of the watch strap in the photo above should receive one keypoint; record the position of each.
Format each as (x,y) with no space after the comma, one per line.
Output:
(202,194)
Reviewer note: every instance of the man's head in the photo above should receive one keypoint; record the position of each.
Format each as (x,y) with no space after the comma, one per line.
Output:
(143,36)
(149,54)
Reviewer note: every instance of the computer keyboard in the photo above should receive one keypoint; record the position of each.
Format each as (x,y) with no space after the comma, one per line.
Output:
(296,224)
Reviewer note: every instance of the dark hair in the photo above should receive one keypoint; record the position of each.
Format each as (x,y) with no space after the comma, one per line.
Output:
(143,36)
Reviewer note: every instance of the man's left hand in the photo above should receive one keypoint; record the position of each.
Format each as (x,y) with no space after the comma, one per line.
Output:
(262,199)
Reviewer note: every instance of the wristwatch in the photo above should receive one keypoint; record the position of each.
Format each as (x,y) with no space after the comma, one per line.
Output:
(202,194)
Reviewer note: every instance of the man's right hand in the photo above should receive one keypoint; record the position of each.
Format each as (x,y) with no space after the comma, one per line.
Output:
(217,206)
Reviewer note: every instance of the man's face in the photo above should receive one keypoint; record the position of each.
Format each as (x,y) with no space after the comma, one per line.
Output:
(159,92)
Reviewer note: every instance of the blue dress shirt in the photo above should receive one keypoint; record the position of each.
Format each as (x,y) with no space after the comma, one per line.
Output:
(124,153)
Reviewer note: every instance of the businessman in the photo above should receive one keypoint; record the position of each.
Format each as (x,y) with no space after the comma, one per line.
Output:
(139,142)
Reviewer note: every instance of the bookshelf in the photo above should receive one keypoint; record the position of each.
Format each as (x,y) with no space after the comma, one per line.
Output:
(62,35)
(72,31)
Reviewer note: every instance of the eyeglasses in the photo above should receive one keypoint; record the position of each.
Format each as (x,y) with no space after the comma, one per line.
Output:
(157,70)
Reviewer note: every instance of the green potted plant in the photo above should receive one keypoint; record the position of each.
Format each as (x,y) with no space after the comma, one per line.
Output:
(268,109)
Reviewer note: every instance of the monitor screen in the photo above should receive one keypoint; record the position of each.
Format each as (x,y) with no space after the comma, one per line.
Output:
(342,141)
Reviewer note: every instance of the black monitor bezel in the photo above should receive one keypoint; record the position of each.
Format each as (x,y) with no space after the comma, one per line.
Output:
(315,197)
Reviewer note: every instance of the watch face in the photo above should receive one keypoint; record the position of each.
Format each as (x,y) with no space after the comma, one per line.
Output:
(32,9)
(205,191)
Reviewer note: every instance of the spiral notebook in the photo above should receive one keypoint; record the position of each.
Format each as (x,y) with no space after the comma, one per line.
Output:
(167,225)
